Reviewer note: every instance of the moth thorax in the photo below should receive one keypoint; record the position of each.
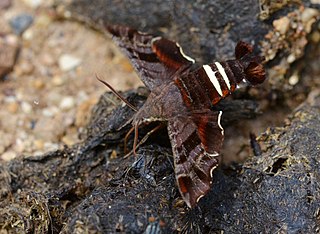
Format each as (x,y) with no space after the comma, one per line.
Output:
(237,70)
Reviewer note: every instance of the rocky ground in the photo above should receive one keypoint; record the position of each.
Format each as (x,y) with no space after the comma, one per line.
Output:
(46,99)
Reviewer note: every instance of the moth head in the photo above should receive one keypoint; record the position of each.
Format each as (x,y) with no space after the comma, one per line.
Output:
(252,64)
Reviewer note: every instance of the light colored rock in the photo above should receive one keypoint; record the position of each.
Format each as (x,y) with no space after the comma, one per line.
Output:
(50,111)
(67,103)
(26,107)
(8,156)
(57,80)
(33,3)
(38,144)
(282,24)
(13,107)
(38,84)
(68,62)
(8,53)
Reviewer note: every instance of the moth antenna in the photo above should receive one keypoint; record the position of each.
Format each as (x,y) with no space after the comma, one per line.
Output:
(117,94)
(135,140)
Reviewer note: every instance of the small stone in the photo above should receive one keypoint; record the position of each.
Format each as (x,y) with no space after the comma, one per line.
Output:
(8,54)
(20,23)
(50,146)
(33,3)
(50,111)
(26,107)
(315,37)
(13,107)
(67,103)
(57,80)
(26,68)
(291,58)
(294,79)
(39,144)
(113,154)
(69,139)
(308,14)
(8,156)
(47,60)
(282,25)
(43,20)
(68,62)
(12,40)
(4,4)
(38,84)
(28,35)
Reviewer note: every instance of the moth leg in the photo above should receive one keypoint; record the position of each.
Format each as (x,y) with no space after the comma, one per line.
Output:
(126,139)
(135,140)
(144,139)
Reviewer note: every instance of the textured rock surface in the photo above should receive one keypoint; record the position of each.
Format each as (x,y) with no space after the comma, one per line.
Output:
(91,186)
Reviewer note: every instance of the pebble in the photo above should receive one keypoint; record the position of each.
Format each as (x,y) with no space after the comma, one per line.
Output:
(28,35)
(308,14)
(291,58)
(57,80)
(4,4)
(70,139)
(68,62)
(22,143)
(26,107)
(294,79)
(20,23)
(47,60)
(50,111)
(8,52)
(13,107)
(25,67)
(38,84)
(48,146)
(282,25)
(33,3)
(39,144)
(8,156)
(67,103)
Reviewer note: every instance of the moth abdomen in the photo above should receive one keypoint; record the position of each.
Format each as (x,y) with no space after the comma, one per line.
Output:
(219,79)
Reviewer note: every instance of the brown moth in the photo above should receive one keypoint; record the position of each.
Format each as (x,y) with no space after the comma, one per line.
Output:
(183,98)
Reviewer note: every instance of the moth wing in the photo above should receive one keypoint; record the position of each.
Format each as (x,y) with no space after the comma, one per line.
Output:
(196,142)
(155,59)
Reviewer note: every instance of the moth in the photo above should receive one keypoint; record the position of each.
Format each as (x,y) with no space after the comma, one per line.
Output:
(183,96)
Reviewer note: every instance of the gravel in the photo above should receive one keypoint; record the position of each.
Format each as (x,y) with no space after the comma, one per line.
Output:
(50,87)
